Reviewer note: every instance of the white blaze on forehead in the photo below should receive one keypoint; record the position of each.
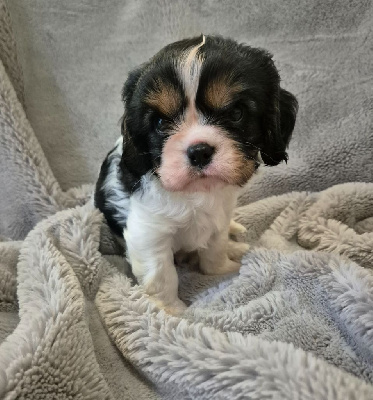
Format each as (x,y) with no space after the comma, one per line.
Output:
(190,70)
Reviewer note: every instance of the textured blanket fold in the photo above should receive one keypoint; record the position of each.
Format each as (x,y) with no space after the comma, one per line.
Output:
(293,323)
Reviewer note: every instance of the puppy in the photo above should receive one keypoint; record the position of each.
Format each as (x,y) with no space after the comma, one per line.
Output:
(198,117)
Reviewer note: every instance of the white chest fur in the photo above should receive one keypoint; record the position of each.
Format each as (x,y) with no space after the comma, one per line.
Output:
(188,220)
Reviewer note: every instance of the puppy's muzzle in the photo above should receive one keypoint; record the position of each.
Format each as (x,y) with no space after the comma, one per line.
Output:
(200,155)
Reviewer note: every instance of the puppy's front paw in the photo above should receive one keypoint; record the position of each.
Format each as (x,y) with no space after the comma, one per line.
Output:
(176,308)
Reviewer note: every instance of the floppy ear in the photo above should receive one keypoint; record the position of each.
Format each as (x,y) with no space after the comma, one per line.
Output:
(134,164)
(278,126)
(129,150)
(131,82)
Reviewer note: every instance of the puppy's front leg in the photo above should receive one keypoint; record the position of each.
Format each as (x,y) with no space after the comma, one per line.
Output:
(152,261)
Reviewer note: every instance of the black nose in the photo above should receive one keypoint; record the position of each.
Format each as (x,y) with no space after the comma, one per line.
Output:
(200,154)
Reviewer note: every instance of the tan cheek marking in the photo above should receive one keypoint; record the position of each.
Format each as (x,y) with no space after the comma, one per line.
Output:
(165,98)
(220,93)
(243,171)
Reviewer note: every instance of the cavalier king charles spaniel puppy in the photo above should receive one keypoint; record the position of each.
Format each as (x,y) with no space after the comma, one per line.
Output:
(199,118)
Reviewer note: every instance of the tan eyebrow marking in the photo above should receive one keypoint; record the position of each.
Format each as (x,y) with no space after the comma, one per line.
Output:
(220,92)
(165,98)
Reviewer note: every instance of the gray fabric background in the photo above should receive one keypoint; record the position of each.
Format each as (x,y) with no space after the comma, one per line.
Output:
(75,56)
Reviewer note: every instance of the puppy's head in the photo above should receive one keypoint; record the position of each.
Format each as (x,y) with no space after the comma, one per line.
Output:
(200,110)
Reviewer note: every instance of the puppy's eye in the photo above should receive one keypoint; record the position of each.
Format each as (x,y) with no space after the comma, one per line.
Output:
(160,125)
(237,113)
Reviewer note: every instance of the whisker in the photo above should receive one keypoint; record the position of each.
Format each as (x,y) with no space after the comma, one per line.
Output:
(151,172)
(136,183)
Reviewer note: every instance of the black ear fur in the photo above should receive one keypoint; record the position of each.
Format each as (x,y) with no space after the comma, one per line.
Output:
(278,127)
(133,164)
(131,82)
(129,149)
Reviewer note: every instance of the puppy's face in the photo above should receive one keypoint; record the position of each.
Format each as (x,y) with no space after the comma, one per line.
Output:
(199,111)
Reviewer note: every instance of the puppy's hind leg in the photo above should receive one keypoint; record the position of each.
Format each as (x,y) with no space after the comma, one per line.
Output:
(214,260)
(235,228)
(236,250)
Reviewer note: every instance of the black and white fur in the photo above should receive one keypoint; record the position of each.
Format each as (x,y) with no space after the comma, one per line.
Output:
(205,91)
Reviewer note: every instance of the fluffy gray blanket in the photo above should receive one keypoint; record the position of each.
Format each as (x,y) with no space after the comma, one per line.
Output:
(295,323)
